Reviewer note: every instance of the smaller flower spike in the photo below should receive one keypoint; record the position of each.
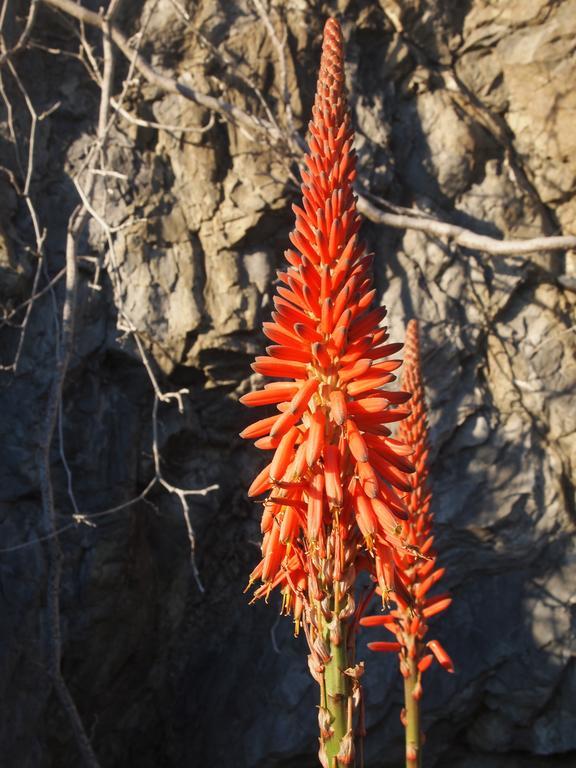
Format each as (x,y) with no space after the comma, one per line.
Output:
(408,621)
(336,478)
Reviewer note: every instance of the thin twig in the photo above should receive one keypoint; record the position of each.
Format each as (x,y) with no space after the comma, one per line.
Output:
(90,515)
(25,35)
(56,279)
(280,46)
(162,126)
(75,227)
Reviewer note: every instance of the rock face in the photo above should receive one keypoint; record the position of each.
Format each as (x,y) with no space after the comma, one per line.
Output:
(464,110)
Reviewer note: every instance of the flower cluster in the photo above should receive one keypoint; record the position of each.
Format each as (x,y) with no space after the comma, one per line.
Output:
(336,478)
(408,621)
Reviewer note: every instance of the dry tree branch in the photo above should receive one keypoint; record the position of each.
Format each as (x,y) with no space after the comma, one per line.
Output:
(237,116)
(48,287)
(7,53)
(180,493)
(75,228)
(157,78)
(76,225)
(460,235)
(199,129)
(105,123)
(280,46)
(26,171)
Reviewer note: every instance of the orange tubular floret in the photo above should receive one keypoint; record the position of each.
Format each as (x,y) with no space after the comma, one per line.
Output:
(384,647)
(284,454)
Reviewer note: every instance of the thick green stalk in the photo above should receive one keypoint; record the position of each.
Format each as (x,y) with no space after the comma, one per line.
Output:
(412,727)
(336,693)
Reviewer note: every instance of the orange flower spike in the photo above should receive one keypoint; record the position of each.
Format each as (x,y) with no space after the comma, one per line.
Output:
(326,339)
(420,575)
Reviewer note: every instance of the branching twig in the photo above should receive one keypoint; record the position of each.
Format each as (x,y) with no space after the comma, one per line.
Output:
(462,236)
(7,53)
(159,79)
(180,493)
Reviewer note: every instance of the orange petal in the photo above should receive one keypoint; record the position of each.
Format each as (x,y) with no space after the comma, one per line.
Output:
(338,408)
(321,354)
(436,605)
(259,428)
(267,443)
(284,423)
(441,655)
(333,481)
(261,482)
(368,478)
(280,335)
(377,621)
(269,396)
(390,450)
(289,527)
(356,442)
(315,441)
(267,517)
(284,454)
(271,367)
(390,473)
(300,401)
(301,355)
(425,662)
(367,322)
(349,372)
(365,515)
(422,588)
(365,384)
(306,333)
(315,506)
(326,316)
(383,647)
(275,551)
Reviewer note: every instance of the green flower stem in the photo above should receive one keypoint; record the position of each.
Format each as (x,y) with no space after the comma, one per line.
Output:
(412,707)
(336,686)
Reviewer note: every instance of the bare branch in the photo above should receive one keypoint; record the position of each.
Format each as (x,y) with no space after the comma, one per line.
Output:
(462,236)
(75,227)
(162,126)
(159,79)
(20,44)
(280,46)
(13,312)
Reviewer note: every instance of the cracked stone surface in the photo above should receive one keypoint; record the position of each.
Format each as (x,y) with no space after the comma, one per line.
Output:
(464,110)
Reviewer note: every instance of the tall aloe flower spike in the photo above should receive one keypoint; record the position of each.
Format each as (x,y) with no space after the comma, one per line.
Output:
(332,506)
(408,621)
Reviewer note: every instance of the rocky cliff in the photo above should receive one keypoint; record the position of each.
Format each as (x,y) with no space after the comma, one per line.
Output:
(464,110)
